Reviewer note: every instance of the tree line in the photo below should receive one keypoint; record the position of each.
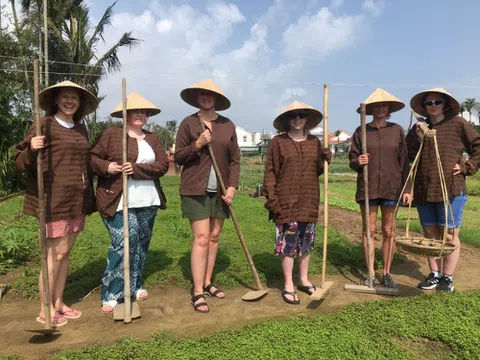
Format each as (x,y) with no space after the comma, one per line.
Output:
(70,40)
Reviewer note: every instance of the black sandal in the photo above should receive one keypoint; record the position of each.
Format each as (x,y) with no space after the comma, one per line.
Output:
(292,294)
(203,303)
(206,291)
(306,289)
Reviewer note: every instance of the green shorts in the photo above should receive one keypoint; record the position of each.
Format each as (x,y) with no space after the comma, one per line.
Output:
(198,207)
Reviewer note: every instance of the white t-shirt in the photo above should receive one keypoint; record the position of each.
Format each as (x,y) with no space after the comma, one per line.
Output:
(65,124)
(142,193)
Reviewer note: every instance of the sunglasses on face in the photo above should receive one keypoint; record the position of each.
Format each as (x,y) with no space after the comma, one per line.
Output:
(299,115)
(434,102)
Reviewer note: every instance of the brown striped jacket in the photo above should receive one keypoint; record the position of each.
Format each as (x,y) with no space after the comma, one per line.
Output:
(66,173)
(454,136)
(196,163)
(291,183)
(387,163)
(107,149)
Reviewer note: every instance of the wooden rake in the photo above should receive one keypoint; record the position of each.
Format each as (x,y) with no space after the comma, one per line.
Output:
(127,310)
(326,285)
(368,289)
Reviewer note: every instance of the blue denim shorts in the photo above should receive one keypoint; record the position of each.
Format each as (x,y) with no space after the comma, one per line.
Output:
(378,202)
(433,213)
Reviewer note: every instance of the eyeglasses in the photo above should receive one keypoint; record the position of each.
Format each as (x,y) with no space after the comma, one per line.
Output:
(299,115)
(435,102)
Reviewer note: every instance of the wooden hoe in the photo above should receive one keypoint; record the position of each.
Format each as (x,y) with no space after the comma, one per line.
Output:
(261,291)
(41,217)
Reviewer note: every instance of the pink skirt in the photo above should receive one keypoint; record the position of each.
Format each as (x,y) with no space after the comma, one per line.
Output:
(65,227)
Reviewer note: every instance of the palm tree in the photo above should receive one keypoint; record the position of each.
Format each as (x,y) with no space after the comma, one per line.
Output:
(470,104)
(73,40)
(337,134)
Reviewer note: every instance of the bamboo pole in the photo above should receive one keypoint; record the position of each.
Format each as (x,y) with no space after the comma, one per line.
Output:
(39,25)
(126,236)
(45,39)
(325,183)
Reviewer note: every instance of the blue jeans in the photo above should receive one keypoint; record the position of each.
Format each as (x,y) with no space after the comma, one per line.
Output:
(433,213)
(379,202)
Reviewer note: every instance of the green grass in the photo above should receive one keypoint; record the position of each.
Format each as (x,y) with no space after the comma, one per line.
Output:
(168,260)
(374,330)
(18,236)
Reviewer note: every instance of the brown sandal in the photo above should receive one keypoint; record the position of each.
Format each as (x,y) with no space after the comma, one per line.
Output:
(203,303)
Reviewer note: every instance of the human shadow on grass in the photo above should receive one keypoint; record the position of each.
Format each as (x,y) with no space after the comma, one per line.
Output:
(84,279)
(222,263)
(89,277)
(348,260)
(157,261)
(270,266)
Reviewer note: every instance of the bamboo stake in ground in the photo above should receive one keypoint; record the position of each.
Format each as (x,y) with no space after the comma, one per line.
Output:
(326,285)
(41,213)
(125,311)
(369,289)
(261,292)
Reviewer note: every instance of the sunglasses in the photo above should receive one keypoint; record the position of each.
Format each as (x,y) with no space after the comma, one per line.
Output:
(299,115)
(435,102)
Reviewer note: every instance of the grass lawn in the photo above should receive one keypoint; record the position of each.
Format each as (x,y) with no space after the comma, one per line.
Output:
(168,260)
(438,326)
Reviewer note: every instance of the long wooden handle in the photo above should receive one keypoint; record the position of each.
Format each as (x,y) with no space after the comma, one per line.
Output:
(126,237)
(369,260)
(232,213)
(325,184)
(41,205)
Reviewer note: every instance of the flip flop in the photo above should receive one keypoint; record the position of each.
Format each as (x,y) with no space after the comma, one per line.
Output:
(71,314)
(109,306)
(55,321)
(292,294)
(306,289)
(141,294)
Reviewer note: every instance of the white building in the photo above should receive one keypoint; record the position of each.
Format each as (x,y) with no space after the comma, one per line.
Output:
(248,141)
(473,117)
(340,144)
(317,131)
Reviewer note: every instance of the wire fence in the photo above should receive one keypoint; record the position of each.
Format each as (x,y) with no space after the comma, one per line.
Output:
(252,170)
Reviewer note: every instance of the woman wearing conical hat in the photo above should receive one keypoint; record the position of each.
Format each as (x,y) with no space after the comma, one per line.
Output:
(388,167)
(202,201)
(294,162)
(147,162)
(67,180)
(454,136)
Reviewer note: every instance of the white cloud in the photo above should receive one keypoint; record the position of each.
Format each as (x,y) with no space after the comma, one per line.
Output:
(183,45)
(164,25)
(322,34)
(293,94)
(335,4)
(375,7)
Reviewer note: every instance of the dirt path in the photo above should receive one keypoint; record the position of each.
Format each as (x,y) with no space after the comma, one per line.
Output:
(169,308)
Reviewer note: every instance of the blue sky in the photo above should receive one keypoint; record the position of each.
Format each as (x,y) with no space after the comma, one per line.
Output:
(265,54)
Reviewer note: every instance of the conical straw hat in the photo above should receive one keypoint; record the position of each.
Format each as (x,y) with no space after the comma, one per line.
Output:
(416,103)
(136,102)
(88,101)
(382,96)
(314,116)
(189,95)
